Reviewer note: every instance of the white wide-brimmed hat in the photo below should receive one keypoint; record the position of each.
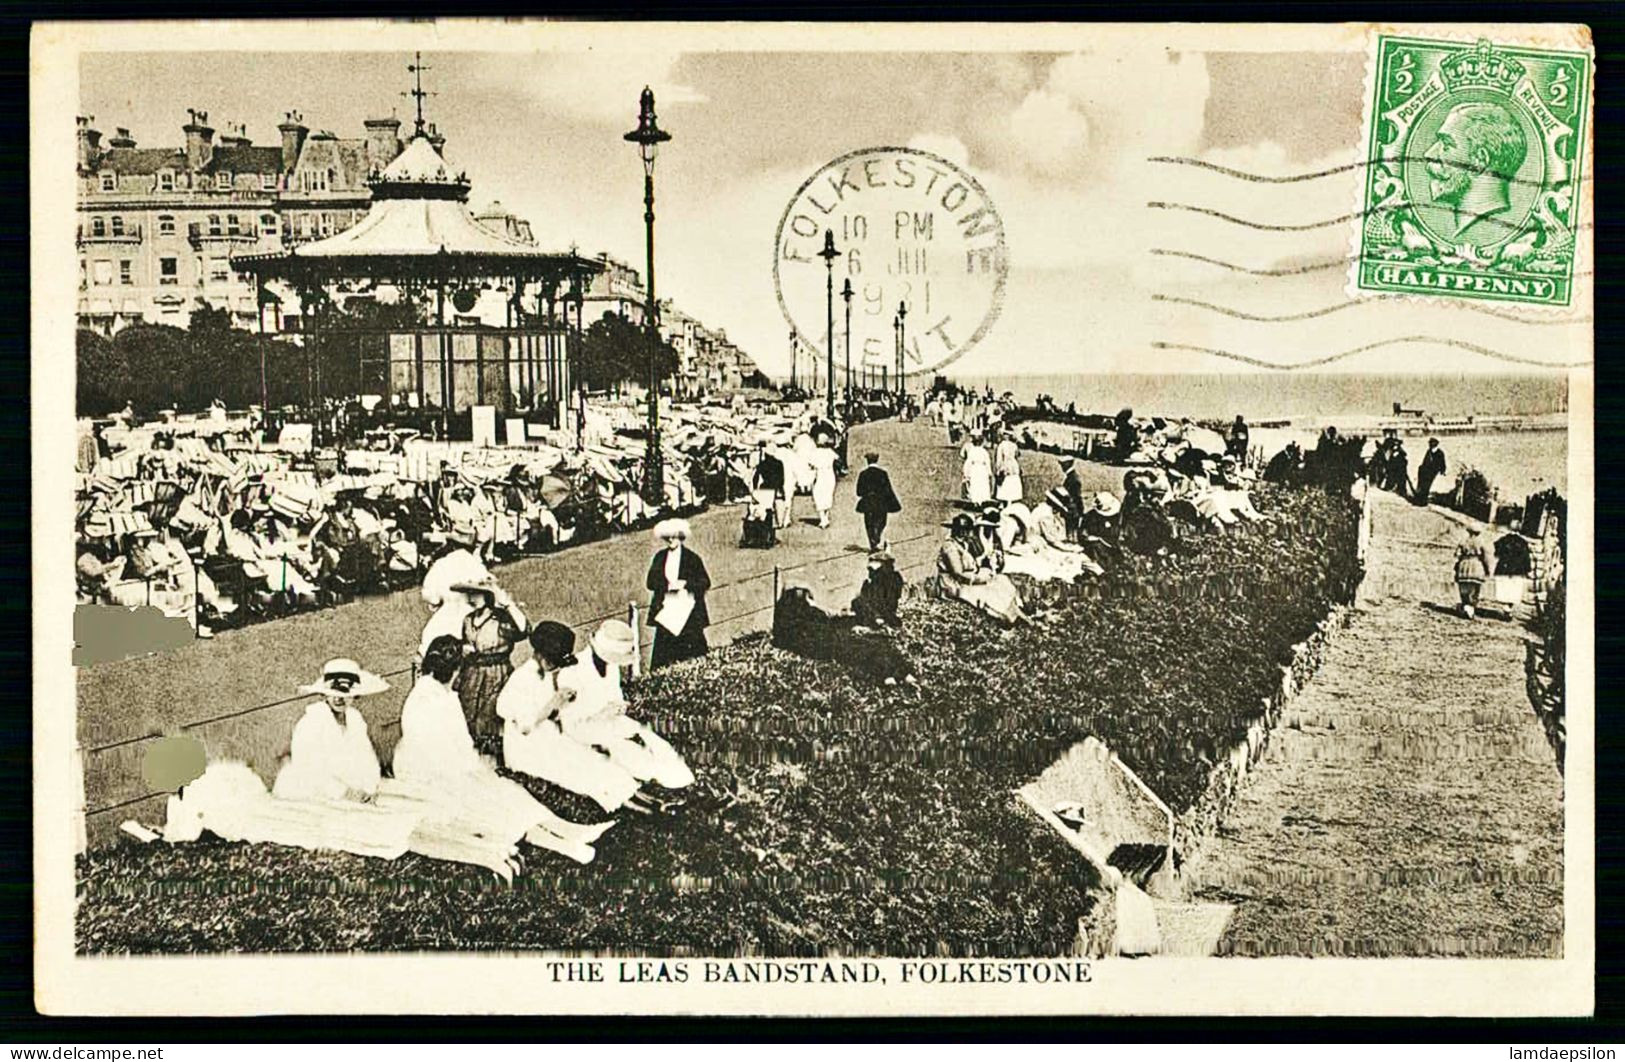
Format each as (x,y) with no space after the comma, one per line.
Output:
(614,642)
(346,678)
(673,527)
(1106,504)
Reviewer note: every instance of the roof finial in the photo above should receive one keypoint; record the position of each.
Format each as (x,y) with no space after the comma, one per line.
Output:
(417,68)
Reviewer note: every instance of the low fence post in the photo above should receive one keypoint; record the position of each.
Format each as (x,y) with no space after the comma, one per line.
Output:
(637,638)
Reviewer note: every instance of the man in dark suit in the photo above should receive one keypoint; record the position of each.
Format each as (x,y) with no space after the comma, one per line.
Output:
(1074,494)
(1432,468)
(876,500)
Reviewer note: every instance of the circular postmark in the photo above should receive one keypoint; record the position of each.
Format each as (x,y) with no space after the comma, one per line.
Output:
(912,230)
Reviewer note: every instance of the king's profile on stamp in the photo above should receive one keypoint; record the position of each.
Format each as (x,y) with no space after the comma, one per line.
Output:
(1475,171)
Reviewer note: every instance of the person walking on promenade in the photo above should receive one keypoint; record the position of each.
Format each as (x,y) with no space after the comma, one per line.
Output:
(822,459)
(976,472)
(767,484)
(1432,468)
(493,626)
(678,582)
(1473,567)
(1007,468)
(876,500)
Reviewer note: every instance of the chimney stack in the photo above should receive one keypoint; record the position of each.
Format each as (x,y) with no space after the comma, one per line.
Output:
(199,139)
(293,132)
(235,136)
(383,141)
(436,141)
(90,144)
(122,139)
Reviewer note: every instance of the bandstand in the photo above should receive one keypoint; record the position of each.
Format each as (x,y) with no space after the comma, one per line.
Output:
(420,239)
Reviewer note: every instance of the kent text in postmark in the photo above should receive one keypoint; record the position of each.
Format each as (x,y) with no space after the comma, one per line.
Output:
(919,245)
(1474,188)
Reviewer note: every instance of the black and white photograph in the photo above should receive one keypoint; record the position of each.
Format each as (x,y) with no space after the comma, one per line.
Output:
(774,519)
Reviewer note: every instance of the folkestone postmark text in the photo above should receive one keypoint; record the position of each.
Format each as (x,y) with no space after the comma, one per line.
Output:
(913,231)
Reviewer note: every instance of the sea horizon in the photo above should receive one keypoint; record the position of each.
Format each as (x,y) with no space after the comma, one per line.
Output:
(1271,396)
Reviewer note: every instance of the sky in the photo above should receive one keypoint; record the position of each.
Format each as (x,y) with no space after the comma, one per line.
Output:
(1060,141)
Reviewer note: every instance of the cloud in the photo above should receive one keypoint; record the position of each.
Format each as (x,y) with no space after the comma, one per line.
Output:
(1052,132)
(1094,113)
(594,87)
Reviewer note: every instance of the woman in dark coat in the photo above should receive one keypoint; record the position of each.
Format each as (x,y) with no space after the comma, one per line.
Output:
(677,570)
(491,629)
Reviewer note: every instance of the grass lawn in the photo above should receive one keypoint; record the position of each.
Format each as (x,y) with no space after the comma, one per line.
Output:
(830,816)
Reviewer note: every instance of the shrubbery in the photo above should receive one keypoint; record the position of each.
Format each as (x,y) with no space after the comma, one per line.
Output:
(836,816)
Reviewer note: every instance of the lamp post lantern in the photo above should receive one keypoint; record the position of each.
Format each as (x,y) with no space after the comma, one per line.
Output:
(829,254)
(846,296)
(649,136)
(902,339)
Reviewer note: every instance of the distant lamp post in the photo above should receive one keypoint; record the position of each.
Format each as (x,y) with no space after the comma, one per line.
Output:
(902,340)
(649,136)
(846,296)
(829,254)
(795,356)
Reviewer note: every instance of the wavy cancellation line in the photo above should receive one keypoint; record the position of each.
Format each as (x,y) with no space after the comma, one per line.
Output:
(1290,271)
(1324,311)
(1259,178)
(1312,363)
(1326,223)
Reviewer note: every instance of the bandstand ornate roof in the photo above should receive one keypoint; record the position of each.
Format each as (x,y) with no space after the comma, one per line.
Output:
(418,227)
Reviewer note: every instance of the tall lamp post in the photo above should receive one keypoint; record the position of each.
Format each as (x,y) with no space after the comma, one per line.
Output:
(846,296)
(902,340)
(829,254)
(649,136)
(794,357)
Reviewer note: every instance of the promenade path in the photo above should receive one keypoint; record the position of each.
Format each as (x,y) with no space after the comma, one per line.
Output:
(237,691)
(1408,803)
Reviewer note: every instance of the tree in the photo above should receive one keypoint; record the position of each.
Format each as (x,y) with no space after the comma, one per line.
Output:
(615,351)
(157,360)
(102,376)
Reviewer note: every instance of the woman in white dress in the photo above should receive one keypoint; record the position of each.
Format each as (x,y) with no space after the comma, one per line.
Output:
(1029,551)
(977,472)
(436,755)
(1007,467)
(330,794)
(533,737)
(597,716)
(822,459)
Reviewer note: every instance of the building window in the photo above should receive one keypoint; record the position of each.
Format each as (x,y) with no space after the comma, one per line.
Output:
(166,224)
(98,226)
(214,224)
(222,181)
(103,272)
(268,224)
(118,225)
(168,270)
(219,270)
(166,181)
(332,179)
(109,182)
(84,274)
(327,225)
(232,225)
(304,225)
(268,182)
(125,274)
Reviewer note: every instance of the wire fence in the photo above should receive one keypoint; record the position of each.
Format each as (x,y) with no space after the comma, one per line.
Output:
(633,613)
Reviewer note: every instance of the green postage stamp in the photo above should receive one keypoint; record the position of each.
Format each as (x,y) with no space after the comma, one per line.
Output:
(1476,170)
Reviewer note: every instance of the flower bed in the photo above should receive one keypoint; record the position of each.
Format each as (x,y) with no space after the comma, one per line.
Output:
(829,816)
